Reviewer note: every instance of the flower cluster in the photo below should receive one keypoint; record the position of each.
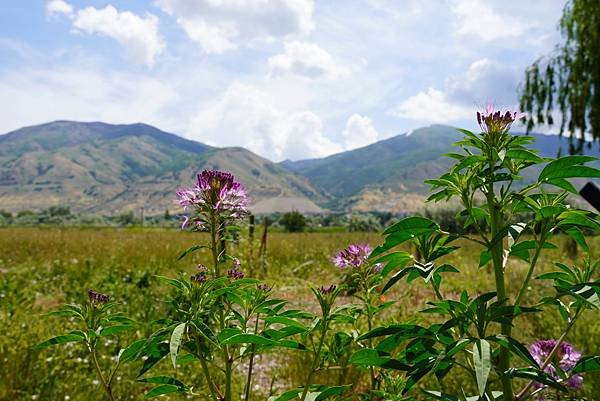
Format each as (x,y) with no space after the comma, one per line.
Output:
(200,277)
(355,256)
(327,290)
(264,287)
(235,273)
(495,121)
(216,192)
(564,359)
(97,297)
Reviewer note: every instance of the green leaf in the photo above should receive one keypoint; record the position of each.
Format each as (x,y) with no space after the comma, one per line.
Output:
(163,380)
(163,389)
(154,351)
(288,395)
(404,230)
(484,258)
(482,360)
(248,339)
(373,357)
(129,353)
(524,154)
(176,342)
(578,237)
(67,338)
(568,167)
(191,249)
(112,330)
(587,364)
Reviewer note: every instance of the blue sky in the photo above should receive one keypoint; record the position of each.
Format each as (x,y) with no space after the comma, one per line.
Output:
(285,78)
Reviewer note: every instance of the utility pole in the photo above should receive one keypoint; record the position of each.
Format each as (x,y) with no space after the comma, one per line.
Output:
(142,217)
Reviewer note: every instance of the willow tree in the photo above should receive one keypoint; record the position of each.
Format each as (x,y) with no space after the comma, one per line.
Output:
(566,83)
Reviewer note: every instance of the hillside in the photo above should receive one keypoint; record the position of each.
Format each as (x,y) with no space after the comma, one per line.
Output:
(388,175)
(105,169)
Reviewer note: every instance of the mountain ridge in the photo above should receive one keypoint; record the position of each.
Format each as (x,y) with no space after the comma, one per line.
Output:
(108,168)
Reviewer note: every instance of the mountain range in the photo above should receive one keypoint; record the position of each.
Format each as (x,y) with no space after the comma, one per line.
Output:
(106,169)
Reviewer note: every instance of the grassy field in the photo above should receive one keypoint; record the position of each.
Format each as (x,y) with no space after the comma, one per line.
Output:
(42,268)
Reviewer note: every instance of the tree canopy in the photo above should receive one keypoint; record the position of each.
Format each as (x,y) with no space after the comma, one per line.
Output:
(565,84)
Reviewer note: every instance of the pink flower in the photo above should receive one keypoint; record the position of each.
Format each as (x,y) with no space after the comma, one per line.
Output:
(494,121)
(216,192)
(564,359)
(355,256)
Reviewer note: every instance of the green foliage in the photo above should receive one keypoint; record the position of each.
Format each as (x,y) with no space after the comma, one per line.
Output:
(568,80)
(293,221)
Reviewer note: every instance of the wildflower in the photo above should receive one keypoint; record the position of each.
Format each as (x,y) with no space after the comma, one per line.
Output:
(491,120)
(235,273)
(327,290)
(264,287)
(202,268)
(355,256)
(97,297)
(565,359)
(199,278)
(215,192)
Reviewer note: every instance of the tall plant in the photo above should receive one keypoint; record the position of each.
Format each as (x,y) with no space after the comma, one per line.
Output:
(475,333)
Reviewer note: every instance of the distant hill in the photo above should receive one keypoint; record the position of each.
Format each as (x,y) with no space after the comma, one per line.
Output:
(105,169)
(388,175)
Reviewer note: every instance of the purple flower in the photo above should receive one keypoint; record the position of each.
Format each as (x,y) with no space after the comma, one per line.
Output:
(494,121)
(264,287)
(355,256)
(327,290)
(565,359)
(235,273)
(199,278)
(215,192)
(97,297)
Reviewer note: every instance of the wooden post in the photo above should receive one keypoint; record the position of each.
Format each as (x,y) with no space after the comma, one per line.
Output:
(262,252)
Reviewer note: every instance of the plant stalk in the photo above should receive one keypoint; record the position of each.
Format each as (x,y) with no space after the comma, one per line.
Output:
(105,384)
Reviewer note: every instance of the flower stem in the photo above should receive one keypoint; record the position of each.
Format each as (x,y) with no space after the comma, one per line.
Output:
(214,391)
(316,361)
(251,364)
(538,251)
(497,250)
(105,384)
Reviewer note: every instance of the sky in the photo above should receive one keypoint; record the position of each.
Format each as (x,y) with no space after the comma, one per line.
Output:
(287,79)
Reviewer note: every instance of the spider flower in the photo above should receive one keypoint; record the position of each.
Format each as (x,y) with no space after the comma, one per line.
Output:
(327,290)
(215,192)
(97,297)
(564,359)
(355,256)
(235,273)
(495,121)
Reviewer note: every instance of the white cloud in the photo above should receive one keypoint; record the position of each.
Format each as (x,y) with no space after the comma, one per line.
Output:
(485,81)
(57,7)
(305,59)
(139,35)
(218,26)
(433,106)
(246,116)
(477,17)
(35,96)
(359,132)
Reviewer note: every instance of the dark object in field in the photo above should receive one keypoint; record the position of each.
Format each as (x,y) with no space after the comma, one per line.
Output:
(591,193)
